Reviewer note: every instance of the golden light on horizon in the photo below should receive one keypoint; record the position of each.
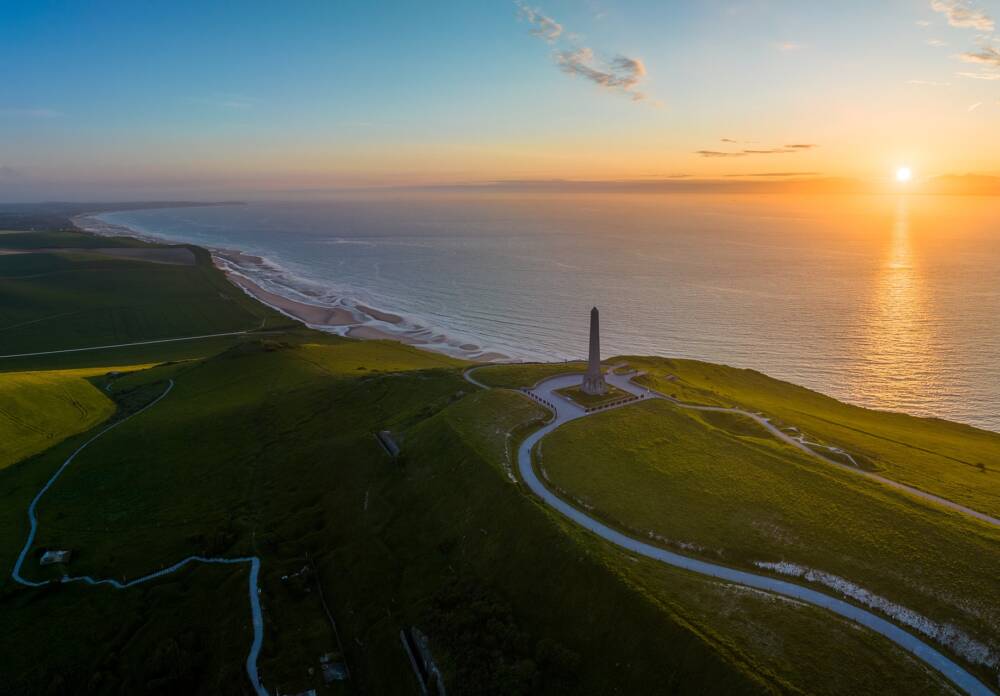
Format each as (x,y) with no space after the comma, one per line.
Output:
(904,174)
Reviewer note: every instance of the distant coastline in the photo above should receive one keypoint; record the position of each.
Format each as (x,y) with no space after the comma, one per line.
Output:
(859,304)
(255,276)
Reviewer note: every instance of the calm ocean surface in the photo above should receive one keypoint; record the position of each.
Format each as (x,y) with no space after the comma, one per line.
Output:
(889,302)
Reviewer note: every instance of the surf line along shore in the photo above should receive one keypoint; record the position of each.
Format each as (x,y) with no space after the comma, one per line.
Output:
(341,316)
(353,321)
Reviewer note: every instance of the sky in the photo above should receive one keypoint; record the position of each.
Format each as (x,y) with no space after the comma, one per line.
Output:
(125,99)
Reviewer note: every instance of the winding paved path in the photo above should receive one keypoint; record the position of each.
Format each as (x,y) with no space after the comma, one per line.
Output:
(253,561)
(565,412)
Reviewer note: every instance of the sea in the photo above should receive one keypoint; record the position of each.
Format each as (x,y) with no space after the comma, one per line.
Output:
(890,302)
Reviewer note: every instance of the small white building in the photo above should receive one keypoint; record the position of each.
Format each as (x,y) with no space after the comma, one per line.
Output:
(54,556)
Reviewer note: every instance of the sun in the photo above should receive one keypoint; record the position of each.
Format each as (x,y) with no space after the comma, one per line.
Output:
(903,174)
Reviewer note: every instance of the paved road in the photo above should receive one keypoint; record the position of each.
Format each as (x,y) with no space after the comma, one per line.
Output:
(565,412)
(253,561)
(126,345)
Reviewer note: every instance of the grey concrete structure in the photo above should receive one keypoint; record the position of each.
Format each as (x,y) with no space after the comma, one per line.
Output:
(593,381)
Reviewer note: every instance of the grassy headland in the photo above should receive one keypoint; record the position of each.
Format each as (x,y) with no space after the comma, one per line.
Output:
(719,486)
(266,446)
(955,461)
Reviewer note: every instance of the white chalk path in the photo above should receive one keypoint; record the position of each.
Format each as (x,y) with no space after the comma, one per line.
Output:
(253,561)
(564,411)
(801,443)
(136,343)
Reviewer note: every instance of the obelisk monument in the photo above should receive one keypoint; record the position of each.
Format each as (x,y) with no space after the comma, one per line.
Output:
(593,381)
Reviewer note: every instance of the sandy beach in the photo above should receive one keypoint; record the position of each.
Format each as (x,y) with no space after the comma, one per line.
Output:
(356,321)
(306,313)
(353,320)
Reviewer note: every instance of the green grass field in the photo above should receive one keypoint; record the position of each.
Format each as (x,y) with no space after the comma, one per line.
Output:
(266,446)
(517,375)
(954,461)
(40,409)
(270,450)
(719,486)
(57,301)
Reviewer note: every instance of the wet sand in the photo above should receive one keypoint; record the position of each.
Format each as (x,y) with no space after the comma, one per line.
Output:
(307,313)
(387,317)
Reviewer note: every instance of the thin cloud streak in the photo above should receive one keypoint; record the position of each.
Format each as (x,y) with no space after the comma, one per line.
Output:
(783,150)
(985,56)
(778,174)
(980,76)
(960,13)
(544,26)
(619,74)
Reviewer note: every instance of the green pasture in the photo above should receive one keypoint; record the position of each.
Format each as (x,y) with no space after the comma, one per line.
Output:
(719,486)
(516,375)
(949,459)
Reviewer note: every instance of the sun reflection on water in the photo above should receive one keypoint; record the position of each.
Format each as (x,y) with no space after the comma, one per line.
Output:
(900,356)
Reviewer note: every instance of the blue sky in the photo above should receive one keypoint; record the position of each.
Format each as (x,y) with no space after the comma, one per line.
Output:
(116,97)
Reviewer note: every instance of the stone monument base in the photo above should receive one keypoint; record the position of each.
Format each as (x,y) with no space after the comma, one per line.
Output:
(594,384)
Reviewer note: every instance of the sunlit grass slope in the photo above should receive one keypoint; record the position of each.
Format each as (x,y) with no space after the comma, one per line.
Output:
(266,447)
(719,486)
(40,409)
(269,449)
(955,461)
(785,646)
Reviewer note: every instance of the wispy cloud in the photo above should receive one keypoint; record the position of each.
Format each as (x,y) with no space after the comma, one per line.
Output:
(980,75)
(975,106)
(928,83)
(716,153)
(544,27)
(779,174)
(987,55)
(961,13)
(788,46)
(776,150)
(923,23)
(619,74)
(937,43)
(23,112)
